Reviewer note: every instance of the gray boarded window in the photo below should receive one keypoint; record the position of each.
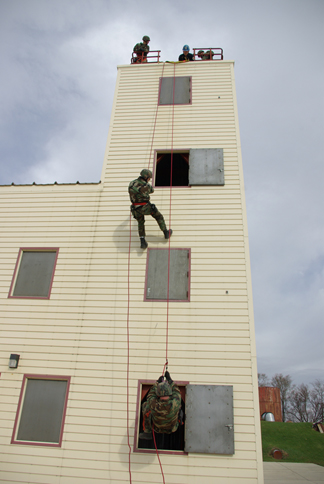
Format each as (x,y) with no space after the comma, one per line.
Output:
(209,419)
(42,412)
(35,274)
(157,274)
(181,88)
(206,166)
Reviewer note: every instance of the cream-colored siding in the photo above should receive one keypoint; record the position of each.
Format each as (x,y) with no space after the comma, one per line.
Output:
(81,330)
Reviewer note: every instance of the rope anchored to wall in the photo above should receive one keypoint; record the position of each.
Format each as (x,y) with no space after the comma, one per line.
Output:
(165,368)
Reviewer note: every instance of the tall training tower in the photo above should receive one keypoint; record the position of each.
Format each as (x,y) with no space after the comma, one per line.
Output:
(91,315)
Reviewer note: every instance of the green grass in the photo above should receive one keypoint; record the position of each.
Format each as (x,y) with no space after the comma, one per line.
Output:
(298,441)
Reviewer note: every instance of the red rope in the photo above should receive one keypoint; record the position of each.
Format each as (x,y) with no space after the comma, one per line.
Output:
(157,453)
(169,253)
(128,285)
(128,347)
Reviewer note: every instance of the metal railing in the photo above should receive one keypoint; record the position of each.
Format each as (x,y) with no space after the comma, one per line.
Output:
(140,57)
(199,54)
(208,53)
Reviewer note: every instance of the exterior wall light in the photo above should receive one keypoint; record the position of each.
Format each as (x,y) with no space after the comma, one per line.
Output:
(13,361)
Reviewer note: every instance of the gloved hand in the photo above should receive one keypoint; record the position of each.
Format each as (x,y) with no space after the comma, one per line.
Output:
(161,379)
(168,377)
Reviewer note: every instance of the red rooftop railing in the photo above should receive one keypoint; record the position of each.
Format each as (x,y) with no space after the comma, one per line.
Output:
(206,53)
(140,57)
(209,53)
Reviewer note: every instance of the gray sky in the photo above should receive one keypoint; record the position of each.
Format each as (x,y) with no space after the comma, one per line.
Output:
(58,73)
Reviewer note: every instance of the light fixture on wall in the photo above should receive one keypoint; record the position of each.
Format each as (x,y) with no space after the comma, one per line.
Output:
(13,361)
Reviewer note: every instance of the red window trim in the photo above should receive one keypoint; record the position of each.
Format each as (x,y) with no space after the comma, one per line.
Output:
(172,104)
(140,395)
(20,403)
(18,261)
(166,152)
(189,275)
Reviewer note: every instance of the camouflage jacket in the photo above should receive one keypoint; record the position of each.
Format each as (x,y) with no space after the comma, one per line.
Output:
(165,412)
(207,56)
(139,190)
(141,47)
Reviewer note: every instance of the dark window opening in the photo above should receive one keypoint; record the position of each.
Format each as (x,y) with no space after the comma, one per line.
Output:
(180,170)
(169,442)
(203,166)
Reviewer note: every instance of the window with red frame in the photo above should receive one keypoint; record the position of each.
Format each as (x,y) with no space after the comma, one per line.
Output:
(34,273)
(41,410)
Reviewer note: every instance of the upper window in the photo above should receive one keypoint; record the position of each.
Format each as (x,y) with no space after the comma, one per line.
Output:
(189,168)
(34,273)
(175,90)
(41,411)
(158,275)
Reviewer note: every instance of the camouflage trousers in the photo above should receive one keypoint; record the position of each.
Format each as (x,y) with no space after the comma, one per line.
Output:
(148,209)
(148,418)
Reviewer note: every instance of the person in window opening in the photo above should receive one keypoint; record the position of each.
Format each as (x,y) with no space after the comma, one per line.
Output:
(208,55)
(139,192)
(162,408)
(141,50)
(186,56)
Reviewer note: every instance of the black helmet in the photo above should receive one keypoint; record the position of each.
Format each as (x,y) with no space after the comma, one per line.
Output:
(146,37)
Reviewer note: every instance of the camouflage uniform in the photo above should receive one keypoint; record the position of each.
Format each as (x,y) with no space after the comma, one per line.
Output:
(139,192)
(208,55)
(141,51)
(164,414)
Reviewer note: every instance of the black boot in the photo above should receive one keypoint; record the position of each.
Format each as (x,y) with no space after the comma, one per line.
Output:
(144,244)
(167,234)
(146,435)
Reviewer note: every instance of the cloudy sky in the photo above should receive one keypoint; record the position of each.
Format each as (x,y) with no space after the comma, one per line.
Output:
(58,73)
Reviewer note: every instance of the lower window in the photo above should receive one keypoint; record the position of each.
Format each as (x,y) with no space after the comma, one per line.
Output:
(167,443)
(208,421)
(41,410)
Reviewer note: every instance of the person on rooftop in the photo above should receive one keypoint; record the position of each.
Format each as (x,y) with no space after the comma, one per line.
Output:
(141,50)
(208,55)
(186,56)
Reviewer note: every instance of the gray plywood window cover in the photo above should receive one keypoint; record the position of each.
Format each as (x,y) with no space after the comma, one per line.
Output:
(175,90)
(43,409)
(209,419)
(206,166)
(157,274)
(35,273)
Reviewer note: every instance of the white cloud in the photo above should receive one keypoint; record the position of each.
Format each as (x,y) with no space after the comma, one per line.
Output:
(58,76)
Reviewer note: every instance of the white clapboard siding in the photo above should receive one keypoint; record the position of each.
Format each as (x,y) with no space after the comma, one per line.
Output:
(81,330)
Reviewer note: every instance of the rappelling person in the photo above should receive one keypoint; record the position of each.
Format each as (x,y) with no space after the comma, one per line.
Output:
(139,192)
(141,50)
(161,409)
